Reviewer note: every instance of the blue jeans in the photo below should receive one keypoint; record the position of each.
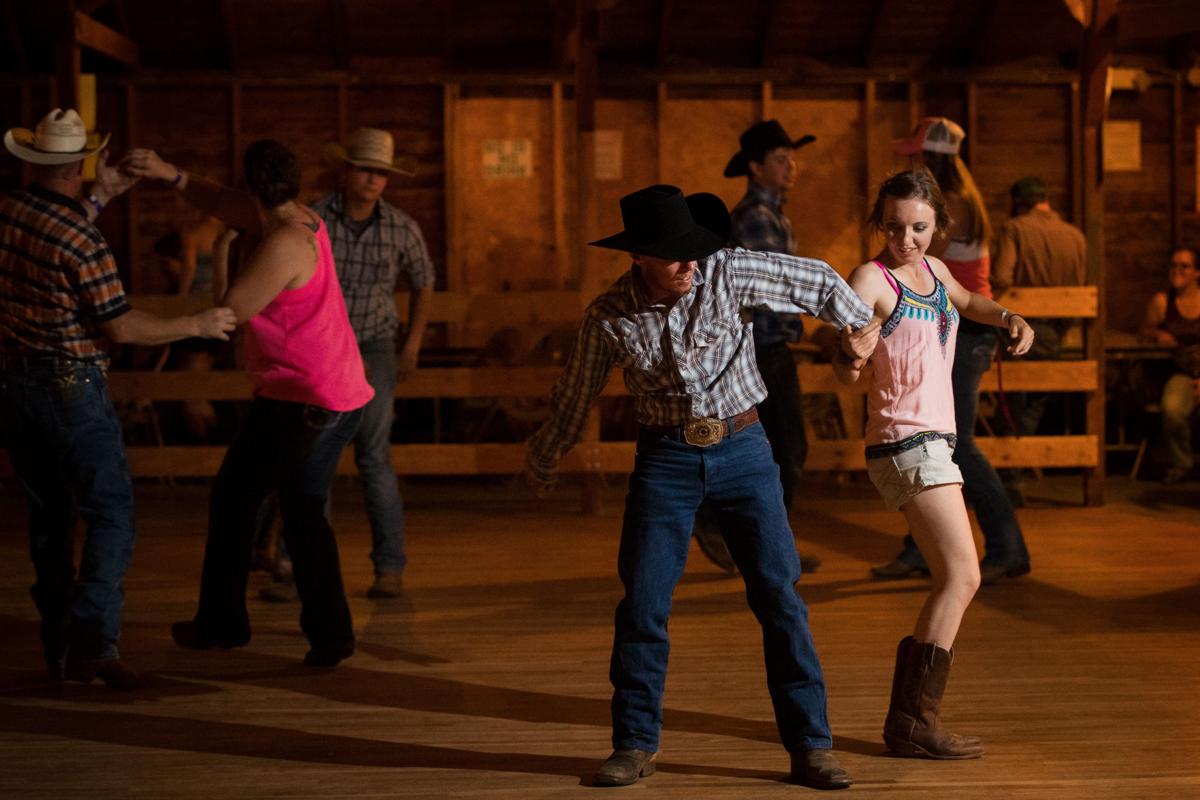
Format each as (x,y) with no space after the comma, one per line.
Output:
(294,449)
(1179,402)
(66,446)
(1003,541)
(373,456)
(740,483)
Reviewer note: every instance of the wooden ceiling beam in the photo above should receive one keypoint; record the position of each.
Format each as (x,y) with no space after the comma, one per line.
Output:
(877,32)
(339,18)
(565,44)
(229,26)
(99,37)
(770,17)
(1157,19)
(90,7)
(984,31)
(663,43)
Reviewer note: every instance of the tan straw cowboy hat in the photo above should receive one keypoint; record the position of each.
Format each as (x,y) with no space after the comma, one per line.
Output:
(60,138)
(371,147)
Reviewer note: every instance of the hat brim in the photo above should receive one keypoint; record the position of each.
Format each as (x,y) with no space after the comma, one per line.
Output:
(404,165)
(710,234)
(19,142)
(915,146)
(740,163)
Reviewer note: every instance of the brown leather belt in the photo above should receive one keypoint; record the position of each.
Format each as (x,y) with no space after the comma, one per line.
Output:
(706,431)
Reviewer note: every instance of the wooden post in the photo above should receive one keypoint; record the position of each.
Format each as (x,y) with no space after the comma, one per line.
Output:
(593,476)
(586,83)
(1176,160)
(67,60)
(131,206)
(454,270)
(343,110)
(1099,41)
(660,120)
(235,132)
(1076,156)
(972,125)
(564,255)
(768,100)
(872,169)
(914,104)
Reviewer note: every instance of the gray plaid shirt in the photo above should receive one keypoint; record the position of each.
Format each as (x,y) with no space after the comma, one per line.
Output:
(368,264)
(693,359)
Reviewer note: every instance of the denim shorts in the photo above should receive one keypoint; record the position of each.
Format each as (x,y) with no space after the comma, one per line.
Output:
(902,476)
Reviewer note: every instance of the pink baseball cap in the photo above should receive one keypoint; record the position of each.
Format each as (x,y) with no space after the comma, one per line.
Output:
(935,134)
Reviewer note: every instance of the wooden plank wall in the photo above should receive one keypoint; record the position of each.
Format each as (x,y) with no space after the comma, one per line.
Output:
(512,231)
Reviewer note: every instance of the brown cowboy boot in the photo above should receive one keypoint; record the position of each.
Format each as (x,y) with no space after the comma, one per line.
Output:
(913,728)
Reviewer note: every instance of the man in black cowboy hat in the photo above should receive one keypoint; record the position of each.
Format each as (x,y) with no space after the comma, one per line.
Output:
(672,323)
(766,158)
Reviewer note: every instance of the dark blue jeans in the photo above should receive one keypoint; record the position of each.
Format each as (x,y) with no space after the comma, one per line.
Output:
(782,414)
(740,482)
(65,442)
(294,449)
(1003,541)
(373,456)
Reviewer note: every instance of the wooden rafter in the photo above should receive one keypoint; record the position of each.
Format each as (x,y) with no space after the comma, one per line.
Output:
(877,32)
(770,18)
(665,11)
(99,37)
(566,29)
(1157,19)
(229,24)
(339,32)
(983,32)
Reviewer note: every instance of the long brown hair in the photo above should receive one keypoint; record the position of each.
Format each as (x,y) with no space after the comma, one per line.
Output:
(953,177)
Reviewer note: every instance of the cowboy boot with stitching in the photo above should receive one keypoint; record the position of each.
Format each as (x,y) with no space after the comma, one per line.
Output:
(624,767)
(913,727)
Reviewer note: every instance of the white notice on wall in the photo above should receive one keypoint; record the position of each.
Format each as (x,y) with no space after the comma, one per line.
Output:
(1122,145)
(507,158)
(607,153)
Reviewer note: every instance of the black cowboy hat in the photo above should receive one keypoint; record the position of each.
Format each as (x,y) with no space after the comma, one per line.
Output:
(659,221)
(756,141)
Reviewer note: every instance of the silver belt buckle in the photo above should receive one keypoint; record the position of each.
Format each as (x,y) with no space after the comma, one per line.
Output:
(704,432)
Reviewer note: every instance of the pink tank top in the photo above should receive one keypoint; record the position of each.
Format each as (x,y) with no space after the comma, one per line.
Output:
(301,348)
(911,390)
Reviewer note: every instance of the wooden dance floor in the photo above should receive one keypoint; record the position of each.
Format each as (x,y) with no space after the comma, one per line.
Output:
(490,678)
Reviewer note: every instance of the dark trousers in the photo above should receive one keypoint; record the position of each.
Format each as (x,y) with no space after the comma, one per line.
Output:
(740,483)
(66,446)
(294,449)
(1002,538)
(782,414)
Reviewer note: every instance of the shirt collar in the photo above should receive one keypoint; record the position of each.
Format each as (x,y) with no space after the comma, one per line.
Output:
(761,194)
(52,196)
(338,206)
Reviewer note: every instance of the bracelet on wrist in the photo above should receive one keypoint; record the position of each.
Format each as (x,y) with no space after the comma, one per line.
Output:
(178,177)
(95,202)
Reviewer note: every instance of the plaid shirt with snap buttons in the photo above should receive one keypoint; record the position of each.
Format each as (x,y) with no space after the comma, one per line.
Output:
(690,360)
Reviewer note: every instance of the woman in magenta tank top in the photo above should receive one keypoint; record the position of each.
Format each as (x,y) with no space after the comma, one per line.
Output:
(910,438)
(309,389)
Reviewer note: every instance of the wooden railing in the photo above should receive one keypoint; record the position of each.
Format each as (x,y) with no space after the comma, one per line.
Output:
(593,455)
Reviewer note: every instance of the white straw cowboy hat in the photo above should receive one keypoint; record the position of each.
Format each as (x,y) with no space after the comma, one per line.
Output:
(60,138)
(371,147)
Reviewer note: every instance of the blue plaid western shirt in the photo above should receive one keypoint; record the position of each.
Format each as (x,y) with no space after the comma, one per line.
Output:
(758,223)
(692,359)
(369,263)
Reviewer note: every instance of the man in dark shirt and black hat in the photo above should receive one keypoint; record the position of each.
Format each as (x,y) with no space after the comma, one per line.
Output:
(766,158)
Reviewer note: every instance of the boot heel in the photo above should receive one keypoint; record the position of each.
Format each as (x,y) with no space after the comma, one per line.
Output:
(647,770)
(904,748)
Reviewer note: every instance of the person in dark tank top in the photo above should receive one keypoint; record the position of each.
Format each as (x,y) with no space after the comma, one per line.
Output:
(1173,320)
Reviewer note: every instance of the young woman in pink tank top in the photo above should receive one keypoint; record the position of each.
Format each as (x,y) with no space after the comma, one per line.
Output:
(309,390)
(910,438)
